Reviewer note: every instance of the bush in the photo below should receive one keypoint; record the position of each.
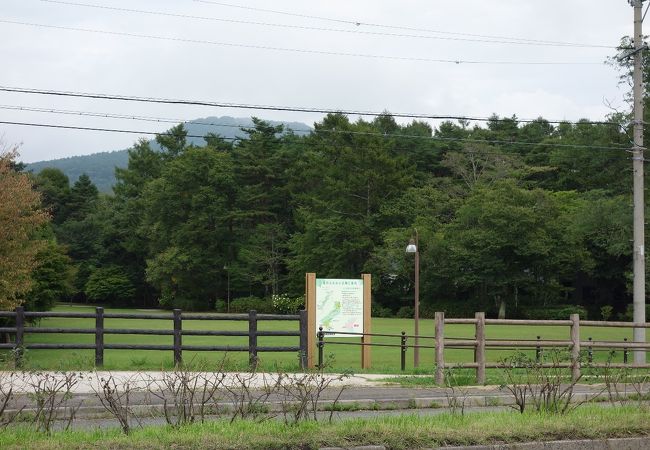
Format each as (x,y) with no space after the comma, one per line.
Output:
(220,306)
(405,312)
(245,304)
(628,315)
(283,304)
(380,311)
(451,309)
(606,312)
(110,285)
(556,312)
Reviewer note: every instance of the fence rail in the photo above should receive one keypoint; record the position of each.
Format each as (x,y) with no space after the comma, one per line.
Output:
(480,343)
(177,317)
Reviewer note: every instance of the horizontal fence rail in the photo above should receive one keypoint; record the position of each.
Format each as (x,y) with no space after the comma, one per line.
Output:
(479,343)
(177,332)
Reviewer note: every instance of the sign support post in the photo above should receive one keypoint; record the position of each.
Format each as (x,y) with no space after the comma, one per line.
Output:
(367,329)
(351,297)
(310,304)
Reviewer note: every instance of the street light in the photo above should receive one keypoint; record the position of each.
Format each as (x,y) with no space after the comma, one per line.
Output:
(413,248)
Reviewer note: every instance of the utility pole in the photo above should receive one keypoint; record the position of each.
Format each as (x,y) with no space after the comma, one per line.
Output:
(639,203)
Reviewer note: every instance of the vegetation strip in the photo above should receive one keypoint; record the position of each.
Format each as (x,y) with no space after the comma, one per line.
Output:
(401,432)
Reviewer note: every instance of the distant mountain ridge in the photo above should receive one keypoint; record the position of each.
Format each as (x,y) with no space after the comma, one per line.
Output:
(100,167)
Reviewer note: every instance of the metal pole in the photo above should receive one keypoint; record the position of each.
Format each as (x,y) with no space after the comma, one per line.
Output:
(321,343)
(639,204)
(416,349)
(403,358)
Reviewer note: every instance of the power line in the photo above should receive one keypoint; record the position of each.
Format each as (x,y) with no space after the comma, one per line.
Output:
(358,23)
(297,50)
(435,138)
(315,110)
(335,30)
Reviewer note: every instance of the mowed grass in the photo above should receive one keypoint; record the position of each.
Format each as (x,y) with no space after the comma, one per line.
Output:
(399,432)
(343,357)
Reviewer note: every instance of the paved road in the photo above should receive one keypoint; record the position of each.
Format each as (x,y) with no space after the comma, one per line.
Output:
(358,396)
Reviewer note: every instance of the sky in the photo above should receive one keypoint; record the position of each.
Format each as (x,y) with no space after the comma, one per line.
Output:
(357,55)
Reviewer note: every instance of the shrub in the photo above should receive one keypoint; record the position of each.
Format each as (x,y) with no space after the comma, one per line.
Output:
(606,312)
(283,304)
(556,312)
(628,315)
(380,311)
(451,309)
(245,304)
(220,306)
(110,285)
(405,312)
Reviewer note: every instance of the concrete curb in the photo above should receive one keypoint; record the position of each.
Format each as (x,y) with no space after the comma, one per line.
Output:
(636,443)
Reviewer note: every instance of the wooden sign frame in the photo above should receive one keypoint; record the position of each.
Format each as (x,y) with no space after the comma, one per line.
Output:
(310,306)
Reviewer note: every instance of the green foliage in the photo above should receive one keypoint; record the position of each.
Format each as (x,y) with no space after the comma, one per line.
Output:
(186,222)
(606,312)
(246,304)
(628,315)
(405,312)
(503,227)
(376,310)
(52,277)
(556,312)
(110,285)
(283,304)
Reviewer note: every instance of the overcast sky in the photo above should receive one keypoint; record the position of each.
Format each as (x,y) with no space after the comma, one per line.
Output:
(66,60)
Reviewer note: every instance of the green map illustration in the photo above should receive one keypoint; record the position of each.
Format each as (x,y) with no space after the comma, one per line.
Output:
(339,305)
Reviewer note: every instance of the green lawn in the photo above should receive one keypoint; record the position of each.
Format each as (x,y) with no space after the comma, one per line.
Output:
(384,359)
(400,432)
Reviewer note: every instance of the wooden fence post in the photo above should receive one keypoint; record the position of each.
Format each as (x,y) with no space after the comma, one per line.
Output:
(440,348)
(178,338)
(575,347)
(252,339)
(479,354)
(20,332)
(99,336)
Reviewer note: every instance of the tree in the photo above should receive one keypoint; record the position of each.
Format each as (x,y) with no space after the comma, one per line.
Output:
(511,244)
(52,277)
(83,196)
(349,176)
(21,217)
(54,187)
(186,219)
(110,285)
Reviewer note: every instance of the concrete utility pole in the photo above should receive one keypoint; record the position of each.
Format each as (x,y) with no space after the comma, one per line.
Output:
(639,203)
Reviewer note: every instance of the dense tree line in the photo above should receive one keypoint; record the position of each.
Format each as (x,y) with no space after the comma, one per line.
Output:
(512,217)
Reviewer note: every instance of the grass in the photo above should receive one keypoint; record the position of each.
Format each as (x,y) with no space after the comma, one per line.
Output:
(346,357)
(399,432)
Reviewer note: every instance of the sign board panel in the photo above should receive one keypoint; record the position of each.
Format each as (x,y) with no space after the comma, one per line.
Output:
(339,306)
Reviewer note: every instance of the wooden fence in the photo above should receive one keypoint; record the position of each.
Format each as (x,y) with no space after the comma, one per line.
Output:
(176,317)
(480,343)
(439,342)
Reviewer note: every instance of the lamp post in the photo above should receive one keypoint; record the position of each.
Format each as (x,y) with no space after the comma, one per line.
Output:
(227,269)
(413,248)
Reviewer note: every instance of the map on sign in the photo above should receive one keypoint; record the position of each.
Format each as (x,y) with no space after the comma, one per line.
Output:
(339,306)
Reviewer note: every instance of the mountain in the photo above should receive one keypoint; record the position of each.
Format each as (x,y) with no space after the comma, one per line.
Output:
(100,167)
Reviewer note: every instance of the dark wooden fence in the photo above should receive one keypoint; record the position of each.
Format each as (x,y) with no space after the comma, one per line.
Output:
(177,317)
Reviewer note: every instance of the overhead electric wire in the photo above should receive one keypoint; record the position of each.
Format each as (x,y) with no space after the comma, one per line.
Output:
(359,23)
(130,98)
(312,28)
(435,138)
(297,50)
